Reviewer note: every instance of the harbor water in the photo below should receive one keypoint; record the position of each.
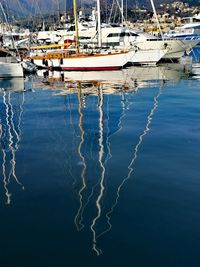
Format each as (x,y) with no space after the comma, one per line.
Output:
(100,169)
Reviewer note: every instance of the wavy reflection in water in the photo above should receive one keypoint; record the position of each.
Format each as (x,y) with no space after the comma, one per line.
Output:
(78,217)
(93,196)
(102,177)
(74,135)
(125,104)
(10,138)
(130,166)
(13,144)
(104,155)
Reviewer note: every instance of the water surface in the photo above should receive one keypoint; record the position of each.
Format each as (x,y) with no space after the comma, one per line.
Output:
(100,173)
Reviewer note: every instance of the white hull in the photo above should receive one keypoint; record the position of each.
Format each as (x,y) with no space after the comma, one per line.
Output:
(11,70)
(91,62)
(102,61)
(176,48)
(146,57)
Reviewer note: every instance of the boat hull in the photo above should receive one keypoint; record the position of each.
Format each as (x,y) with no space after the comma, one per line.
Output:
(11,70)
(99,62)
(90,63)
(176,48)
(146,57)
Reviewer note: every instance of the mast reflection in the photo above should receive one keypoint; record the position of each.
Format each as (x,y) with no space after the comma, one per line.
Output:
(10,136)
(97,190)
(102,172)
(93,209)
(104,155)
(132,162)
(78,217)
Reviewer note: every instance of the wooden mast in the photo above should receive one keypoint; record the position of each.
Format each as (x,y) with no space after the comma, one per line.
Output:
(76,25)
(99,23)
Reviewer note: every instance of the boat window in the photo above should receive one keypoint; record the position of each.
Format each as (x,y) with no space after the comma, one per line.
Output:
(84,38)
(113,34)
(71,28)
(4,53)
(123,34)
(110,44)
(196,20)
(133,34)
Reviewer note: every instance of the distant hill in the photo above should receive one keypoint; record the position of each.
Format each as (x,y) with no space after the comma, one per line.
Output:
(33,7)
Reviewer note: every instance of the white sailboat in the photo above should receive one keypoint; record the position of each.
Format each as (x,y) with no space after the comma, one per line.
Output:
(79,61)
(69,60)
(86,62)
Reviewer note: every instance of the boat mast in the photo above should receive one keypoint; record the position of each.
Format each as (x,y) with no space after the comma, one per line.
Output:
(154,11)
(65,14)
(76,25)
(58,6)
(122,11)
(99,23)
(9,27)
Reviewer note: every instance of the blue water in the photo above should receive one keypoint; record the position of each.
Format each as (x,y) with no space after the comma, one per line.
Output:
(195,54)
(100,177)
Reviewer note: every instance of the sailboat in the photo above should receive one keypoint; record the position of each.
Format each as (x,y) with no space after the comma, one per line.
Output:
(105,60)
(79,61)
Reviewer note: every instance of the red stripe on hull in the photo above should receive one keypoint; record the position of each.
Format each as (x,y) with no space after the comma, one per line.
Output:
(91,68)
